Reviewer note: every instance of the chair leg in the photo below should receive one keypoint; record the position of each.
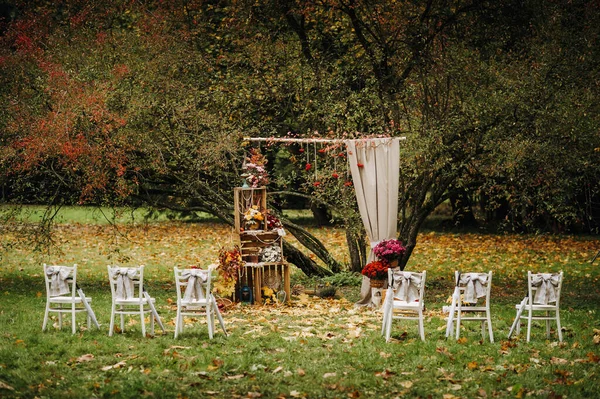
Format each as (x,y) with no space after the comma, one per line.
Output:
(490,331)
(112,321)
(529,318)
(73,321)
(122,319)
(209,321)
(421,327)
(177,318)
(458,316)
(151,323)
(388,325)
(558,326)
(143,321)
(518,327)
(547,324)
(45,324)
(60,318)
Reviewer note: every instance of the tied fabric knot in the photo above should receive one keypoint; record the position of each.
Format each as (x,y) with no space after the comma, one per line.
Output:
(194,290)
(409,286)
(546,284)
(58,280)
(125,277)
(474,285)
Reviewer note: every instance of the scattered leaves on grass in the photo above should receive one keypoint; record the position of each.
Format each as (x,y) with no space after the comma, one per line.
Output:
(118,365)
(4,385)
(88,357)
(596,338)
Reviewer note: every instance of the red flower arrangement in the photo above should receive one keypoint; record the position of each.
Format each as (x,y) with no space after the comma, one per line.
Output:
(376,270)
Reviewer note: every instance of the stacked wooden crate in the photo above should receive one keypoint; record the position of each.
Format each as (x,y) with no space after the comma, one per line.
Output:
(253,240)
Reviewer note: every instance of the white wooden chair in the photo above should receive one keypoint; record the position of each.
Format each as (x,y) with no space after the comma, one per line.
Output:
(195,298)
(62,296)
(543,298)
(469,290)
(129,297)
(404,300)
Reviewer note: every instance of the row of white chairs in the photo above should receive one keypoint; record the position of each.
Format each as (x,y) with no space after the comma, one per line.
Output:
(471,302)
(194,298)
(404,300)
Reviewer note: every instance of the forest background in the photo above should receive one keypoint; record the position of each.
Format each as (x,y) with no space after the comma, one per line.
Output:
(146,103)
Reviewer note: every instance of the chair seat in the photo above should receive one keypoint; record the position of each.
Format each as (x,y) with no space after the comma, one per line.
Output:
(194,303)
(68,299)
(401,304)
(537,307)
(133,301)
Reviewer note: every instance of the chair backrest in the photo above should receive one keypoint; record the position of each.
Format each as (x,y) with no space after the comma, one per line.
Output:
(544,288)
(126,282)
(407,286)
(60,280)
(192,284)
(474,286)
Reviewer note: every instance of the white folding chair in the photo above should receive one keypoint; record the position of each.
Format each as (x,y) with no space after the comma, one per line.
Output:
(543,297)
(62,296)
(129,297)
(404,300)
(195,298)
(469,289)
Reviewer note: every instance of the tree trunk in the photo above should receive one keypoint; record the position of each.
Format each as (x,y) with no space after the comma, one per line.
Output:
(358,253)
(462,210)
(303,262)
(321,213)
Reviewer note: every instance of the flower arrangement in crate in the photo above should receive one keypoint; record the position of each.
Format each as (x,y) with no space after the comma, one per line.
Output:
(389,251)
(230,263)
(271,254)
(255,174)
(253,218)
(274,224)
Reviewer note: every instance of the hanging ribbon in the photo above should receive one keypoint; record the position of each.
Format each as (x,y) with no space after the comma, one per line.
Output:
(125,277)
(475,283)
(409,286)
(195,278)
(546,284)
(58,279)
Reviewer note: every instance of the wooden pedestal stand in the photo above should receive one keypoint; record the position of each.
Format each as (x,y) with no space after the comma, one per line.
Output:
(252,242)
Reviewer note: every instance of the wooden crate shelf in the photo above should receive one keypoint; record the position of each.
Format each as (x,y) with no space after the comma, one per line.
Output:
(256,273)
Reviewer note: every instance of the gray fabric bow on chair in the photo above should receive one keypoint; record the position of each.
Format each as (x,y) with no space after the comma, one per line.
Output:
(546,284)
(58,280)
(194,286)
(474,285)
(409,283)
(125,275)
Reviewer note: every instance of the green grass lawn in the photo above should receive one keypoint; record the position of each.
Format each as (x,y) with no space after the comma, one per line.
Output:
(315,348)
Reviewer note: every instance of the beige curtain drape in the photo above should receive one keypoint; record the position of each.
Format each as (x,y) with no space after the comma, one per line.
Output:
(374,164)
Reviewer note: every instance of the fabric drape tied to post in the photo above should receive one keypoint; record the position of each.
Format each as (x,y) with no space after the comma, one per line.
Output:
(125,278)
(194,277)
(474,286)
(546,284)
(409,286)
(58,280)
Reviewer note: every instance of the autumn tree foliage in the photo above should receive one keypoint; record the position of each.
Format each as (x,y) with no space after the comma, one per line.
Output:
(147,103)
